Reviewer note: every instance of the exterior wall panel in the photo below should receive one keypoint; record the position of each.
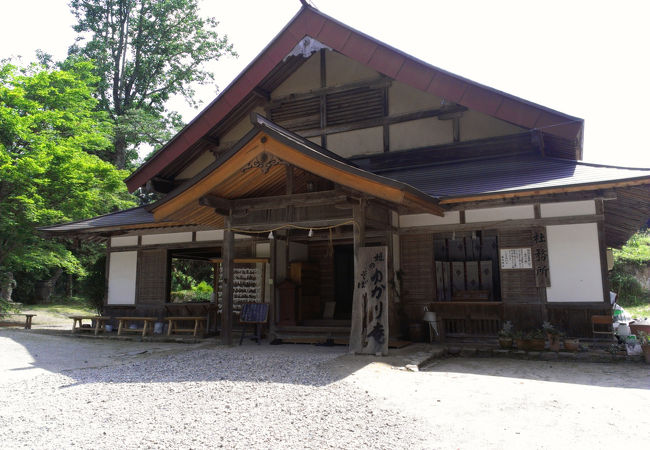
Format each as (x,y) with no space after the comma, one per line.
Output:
(122,278)
(574,262)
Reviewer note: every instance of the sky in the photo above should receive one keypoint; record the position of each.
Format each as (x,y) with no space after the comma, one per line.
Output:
(588,59)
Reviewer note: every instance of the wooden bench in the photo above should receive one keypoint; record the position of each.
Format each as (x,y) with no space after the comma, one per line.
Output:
(146,327)
(78,325)
(28,318)
(200,323)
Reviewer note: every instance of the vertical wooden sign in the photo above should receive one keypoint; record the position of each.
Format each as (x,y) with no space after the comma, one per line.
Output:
(369,328)
(540,257)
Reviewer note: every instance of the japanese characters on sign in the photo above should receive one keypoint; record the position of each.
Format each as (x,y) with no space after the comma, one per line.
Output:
(540,257)
(371,289)
(516,258)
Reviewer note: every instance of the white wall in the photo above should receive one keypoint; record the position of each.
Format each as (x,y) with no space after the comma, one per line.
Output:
(357,142)
(167,238)
(124,241)
(497,214)
(421,220)
(574,262)
(121,278)
(212,235)
(263,250)
(580,208)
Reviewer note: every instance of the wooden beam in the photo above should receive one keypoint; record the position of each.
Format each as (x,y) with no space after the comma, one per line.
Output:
(212,140)
(228,254)
(373,83)
(261,94)
(319,198)
(359,231)
(221,206)
(381,121)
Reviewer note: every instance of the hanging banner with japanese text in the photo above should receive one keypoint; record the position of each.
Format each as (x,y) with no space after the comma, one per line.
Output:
(369,328)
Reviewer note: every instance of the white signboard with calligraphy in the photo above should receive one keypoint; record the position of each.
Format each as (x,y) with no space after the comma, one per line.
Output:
(369,328)
(516,258)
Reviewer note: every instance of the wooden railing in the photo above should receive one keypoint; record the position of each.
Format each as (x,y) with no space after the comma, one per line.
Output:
(468,319)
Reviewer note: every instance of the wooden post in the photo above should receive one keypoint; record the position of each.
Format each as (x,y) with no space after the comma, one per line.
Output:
(359,234)
(228,252)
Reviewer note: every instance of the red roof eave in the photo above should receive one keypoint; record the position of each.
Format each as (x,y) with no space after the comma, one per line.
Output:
(375,54)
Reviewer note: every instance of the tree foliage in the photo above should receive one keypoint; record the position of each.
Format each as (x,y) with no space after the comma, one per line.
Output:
(49,126)
(145,51)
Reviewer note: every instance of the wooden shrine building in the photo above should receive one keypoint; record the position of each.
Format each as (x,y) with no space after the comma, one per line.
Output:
(331,142)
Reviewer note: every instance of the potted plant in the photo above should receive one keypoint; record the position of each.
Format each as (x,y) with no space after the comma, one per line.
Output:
(553,335)
(537,340)
(505,335)
(522,341)
(571,344)
(644,339)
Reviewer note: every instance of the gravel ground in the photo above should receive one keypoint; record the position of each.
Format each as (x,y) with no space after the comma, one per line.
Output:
(250,397)
(108,393)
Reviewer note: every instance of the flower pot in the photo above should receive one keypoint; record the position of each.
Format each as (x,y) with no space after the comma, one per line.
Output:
(571,345)
(524,344)
(635,328)
(538,344)
(505,342)
(646,352)
(554,343)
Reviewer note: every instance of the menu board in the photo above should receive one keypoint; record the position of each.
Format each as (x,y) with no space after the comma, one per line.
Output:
(516,258)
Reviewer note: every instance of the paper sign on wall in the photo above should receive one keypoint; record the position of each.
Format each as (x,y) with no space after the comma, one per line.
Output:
(516,258)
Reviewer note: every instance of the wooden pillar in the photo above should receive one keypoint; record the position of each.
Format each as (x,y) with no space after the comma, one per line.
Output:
(359,235)
(602,250)
(273,309)
(228,252)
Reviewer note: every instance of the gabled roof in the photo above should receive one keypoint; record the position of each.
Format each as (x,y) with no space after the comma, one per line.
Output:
(230,176)
(564,132)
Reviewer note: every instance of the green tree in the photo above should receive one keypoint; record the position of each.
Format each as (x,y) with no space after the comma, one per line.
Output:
(49,126)
(145,51)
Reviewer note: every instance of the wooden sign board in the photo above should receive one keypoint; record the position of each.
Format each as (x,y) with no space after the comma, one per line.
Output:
(540,257)
(254,313)
(369,328)
(516,258)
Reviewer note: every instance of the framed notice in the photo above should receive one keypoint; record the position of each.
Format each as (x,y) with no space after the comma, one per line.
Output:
(516,258)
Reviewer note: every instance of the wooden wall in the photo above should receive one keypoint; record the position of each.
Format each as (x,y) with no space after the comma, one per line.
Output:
(416,263)
(319,254)
(521,300)
(152,282)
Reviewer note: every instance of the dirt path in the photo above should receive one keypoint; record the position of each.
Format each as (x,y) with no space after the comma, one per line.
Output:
(500,403)
(308,397)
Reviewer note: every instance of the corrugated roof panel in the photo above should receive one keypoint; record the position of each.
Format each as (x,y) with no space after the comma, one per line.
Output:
(507,174)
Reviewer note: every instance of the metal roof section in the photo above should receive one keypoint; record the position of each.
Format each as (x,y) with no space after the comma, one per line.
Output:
(509,174)
(134,216)
(382,58)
